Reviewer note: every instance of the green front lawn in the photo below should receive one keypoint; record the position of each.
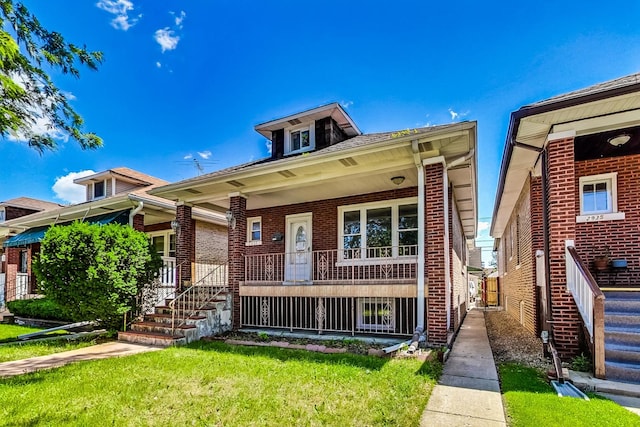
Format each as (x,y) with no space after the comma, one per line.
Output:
(212,383)
(531,401)
(24,350)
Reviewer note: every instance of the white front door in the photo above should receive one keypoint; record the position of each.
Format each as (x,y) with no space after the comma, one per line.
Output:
(298,263)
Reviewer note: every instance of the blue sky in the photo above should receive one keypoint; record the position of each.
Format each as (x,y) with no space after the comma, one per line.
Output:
(187,77)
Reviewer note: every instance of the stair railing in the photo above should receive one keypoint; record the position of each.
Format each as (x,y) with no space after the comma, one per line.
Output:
(590,302)
(198,296)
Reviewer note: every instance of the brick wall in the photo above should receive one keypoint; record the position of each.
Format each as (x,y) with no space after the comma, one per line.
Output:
(536,230)
(237,251)
(185,250)
(434,255)
(561,211)
(518,281)
(619,237)
(211,242)
(458,248)
(138,222)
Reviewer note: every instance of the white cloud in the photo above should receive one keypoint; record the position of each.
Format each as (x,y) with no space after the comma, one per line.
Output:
(120,8)
(269,145)
(179,17)
(456,115)
(346,104)
(483,225)
(158,64)
(188,157)
(167,39)
(204,154)
(69,192)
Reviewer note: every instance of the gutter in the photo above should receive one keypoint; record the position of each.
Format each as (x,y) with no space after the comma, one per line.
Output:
(421,246)
(134,212)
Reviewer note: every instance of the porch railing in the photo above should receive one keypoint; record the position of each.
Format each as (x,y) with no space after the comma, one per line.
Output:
(198,296)
(590,301)
(22,285)
(351,266)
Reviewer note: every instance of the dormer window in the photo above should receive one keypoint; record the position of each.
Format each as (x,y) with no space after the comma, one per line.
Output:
(300,139)
(99,190)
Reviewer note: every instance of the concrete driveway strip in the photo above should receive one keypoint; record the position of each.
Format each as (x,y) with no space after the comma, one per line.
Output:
(100,351)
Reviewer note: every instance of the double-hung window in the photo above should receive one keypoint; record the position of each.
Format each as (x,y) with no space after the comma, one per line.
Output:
(599,198)
(379,230)
(164,242)
(254,231)
(300,139)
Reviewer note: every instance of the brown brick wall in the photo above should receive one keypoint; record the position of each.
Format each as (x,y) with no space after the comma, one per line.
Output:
(518,282)
(620,237)
(138,222)
(237,251)
(458,249)
(211,242)
(185,250)
(537,243)
(434,255)
(561,208)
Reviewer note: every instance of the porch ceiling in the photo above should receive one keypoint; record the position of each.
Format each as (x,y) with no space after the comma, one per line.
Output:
(341,173)
(530,135)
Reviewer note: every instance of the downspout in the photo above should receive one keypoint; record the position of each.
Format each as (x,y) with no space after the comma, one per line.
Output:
(134,212)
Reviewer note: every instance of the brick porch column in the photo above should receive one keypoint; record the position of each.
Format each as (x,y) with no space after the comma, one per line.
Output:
(561,207)
(13,259)
(434,255)
(185,243)
(237,239)
(537,243)
(138,222)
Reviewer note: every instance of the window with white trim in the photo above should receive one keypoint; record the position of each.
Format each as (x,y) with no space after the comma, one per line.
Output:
(299,139)
(598,194)
(376,314)
(164,242)
(254,230)
(99,190)
(2,215)
(379,230)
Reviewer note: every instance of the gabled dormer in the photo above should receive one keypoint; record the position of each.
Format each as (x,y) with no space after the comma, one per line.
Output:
(309,130)
(115,181)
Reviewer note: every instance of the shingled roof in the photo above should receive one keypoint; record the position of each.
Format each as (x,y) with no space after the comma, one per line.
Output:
(30,203)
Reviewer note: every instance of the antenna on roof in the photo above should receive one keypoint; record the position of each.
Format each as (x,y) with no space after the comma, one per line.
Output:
(199,164)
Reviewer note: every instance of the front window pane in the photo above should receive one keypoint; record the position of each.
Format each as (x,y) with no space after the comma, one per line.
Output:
(378,232)
(304,138)
(255,231)
(595,197)
(408,230)
(158,243)
(98,189)
(172,245)
(295,141)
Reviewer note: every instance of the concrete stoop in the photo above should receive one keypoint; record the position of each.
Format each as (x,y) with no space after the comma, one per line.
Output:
(155,329)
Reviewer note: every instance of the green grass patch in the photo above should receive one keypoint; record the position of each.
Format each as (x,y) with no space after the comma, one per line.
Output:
(531,401)
(11,332)
(10,349)
(211,383)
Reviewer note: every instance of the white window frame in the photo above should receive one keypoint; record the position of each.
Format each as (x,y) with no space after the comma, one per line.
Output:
(167,241)
(311,127)
(377,327)
(250,222)
(611,180)
(363,207)
(93,190)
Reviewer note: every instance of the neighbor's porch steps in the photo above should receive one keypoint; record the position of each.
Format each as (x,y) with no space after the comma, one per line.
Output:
(622,336)
(155,328)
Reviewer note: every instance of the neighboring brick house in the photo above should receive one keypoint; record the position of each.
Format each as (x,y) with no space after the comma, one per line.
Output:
(570,179)
(340,231)
(11,209)
(116,195)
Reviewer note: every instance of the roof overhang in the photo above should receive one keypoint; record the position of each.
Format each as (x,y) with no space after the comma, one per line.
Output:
(334,110)
(531,127)
(330,174)
(108,174)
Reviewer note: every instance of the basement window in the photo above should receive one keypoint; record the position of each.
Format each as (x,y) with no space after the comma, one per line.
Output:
(376,314)
(599,198)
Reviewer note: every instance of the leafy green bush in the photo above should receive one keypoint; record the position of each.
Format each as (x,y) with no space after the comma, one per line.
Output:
(95,271)
(581,363)
(39,308)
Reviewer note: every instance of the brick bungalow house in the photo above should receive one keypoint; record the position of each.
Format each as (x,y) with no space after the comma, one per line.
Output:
(340,231)
(115,195)
(11,209)
(567,223)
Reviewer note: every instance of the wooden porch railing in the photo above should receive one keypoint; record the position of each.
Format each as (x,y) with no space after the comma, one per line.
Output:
(590,301)
(381,265)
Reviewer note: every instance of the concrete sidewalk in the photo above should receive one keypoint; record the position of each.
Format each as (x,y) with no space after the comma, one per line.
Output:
(100,351)
(468,392)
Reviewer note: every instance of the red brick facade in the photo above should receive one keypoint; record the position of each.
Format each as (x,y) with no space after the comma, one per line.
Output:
(185,250)
(237,239)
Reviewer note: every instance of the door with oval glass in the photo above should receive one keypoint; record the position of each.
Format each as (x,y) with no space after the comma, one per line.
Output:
(298,263)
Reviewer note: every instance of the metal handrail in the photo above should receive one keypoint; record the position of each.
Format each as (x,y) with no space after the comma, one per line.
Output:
(589,299)
(197,296)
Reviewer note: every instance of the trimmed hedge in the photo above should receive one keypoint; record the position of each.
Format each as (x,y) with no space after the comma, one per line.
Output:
(39,308)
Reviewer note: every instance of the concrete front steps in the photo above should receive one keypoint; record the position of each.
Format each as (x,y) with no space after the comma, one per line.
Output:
(622,336)
(155,329)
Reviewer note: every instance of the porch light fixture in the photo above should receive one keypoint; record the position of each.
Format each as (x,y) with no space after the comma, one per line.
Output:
(619,140)
(231,219)
(397,180)
(175,225)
